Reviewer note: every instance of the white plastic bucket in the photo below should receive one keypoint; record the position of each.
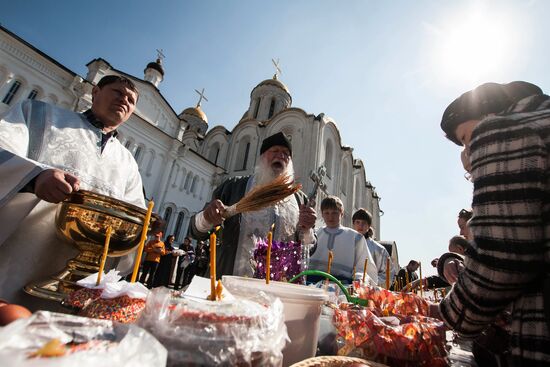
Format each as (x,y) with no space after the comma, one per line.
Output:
(302,309)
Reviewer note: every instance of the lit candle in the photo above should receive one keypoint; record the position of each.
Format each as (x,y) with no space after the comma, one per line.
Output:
(104,256)
(388,273)
(365,269)
(219,291)
(330,258)
(142,240)
(406,279)
(421,287)
(268,256)
(213,264)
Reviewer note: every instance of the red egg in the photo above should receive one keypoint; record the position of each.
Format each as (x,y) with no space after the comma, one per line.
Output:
(9,313)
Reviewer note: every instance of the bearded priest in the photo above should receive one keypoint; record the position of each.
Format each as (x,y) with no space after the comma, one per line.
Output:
(291,216)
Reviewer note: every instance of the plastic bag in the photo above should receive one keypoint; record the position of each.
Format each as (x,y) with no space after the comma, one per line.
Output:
(88,343)
(242,332)
(405,341)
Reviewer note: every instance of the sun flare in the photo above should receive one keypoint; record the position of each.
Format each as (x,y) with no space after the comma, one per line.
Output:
(474,48)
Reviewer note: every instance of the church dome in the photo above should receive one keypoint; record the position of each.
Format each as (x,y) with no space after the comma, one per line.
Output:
(156,66)
(274,82)
(196,112)
(267,99)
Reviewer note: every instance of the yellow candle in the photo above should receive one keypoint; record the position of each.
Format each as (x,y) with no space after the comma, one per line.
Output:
(407,278)
(142,240)
(388,273)
(330,258)
(268,256)
(213,264)
(365,269)
(219,291)
(104,256)
(353,274)
(420,269)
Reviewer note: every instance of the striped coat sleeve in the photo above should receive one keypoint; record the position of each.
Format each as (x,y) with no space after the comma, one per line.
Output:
(509,167)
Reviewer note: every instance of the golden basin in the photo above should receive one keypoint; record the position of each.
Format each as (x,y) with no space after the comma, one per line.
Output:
(82,220)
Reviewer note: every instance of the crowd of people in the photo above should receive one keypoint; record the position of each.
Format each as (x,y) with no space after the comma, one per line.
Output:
(499,263)
(163,261)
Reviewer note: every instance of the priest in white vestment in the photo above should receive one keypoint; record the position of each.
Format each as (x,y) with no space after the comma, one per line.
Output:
(45,154)
(349,248)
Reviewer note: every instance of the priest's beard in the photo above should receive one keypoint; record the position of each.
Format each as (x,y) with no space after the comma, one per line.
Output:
(263,173)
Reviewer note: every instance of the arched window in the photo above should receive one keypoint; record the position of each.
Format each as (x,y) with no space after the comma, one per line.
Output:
(328,158)
(256,107)
(179,223)
(242,157)
(271,108)
(33,94)
(344,178)
(137,153)
(194,185)
(8,98)
(167,215)
(188,181)
(214,153)
(358,191)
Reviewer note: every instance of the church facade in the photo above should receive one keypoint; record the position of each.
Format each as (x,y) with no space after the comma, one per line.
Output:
(180,157)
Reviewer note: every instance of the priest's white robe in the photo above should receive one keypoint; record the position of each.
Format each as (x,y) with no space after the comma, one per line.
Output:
(350,251)
(35,136)
(380,255)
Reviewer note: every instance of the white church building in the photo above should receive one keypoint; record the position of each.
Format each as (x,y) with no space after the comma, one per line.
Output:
(181,158)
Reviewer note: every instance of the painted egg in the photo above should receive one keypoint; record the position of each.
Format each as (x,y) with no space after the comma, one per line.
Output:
(9,313)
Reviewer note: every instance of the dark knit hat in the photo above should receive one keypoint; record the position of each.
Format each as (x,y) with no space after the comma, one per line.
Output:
(486,99)
(276,139)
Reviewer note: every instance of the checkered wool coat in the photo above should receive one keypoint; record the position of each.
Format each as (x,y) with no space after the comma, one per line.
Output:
(510,258)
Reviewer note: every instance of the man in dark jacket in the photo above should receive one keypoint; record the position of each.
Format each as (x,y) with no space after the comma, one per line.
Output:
(291,216)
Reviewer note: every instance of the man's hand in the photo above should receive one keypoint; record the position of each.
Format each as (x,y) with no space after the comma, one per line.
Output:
(213,212)
(452,270)
(433,310)
(54,185)
(307,217)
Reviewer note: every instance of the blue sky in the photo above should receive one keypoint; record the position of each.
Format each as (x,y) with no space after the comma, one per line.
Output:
(385,71)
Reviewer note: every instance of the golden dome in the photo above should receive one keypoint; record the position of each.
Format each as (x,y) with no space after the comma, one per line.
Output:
(195,111)
(275,82)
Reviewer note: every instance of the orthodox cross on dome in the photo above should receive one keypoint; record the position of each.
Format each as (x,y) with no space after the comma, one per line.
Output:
(201,97)
(278,70)
(160,55)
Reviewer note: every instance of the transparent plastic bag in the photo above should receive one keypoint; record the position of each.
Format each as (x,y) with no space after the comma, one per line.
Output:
(242,332)
(88,343)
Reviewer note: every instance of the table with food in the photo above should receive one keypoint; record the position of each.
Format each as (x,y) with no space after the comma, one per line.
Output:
(272,319)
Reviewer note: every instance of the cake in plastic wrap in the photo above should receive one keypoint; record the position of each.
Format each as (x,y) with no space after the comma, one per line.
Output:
(232,332)
(60,340)
(113,299)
